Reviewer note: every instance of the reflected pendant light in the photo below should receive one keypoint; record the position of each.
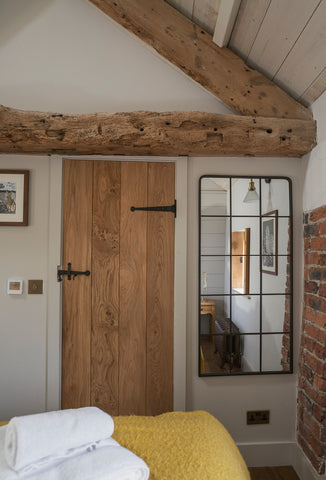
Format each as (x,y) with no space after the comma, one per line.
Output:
(251,195)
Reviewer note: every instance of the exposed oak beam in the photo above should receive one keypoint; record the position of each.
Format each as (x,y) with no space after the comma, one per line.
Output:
(150,133)
(191,49)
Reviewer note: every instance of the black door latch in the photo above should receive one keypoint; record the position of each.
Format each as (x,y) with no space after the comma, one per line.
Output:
(70,273)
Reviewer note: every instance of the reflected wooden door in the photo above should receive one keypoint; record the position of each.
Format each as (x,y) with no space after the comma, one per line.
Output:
(117,324)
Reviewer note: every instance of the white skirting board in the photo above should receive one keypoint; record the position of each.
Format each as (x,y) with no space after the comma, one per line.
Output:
(279,454)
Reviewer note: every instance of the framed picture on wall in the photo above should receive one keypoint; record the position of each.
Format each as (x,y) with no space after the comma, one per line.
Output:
(270,242)
(14,197)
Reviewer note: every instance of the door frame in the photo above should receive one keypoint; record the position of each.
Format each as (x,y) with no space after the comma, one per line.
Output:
(54,300)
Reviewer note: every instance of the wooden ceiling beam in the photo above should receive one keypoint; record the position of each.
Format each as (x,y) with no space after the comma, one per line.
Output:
(187,46)
(151,133)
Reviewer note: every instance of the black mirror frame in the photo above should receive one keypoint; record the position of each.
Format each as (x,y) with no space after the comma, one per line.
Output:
(261,294)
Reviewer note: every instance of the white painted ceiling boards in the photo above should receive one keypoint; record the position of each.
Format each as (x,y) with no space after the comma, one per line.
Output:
(284,39)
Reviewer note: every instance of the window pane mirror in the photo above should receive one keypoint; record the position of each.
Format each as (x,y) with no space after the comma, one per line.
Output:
(245,275)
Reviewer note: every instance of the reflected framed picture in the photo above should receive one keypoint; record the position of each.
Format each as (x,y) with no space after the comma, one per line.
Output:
(270,242)
(14,197)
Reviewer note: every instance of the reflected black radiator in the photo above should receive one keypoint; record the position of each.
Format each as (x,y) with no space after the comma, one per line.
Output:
(227,344)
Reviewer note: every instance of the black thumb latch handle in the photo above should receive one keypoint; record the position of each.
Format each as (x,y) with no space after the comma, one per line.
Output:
(70,273)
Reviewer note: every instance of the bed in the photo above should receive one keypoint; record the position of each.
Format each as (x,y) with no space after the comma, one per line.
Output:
(182,446)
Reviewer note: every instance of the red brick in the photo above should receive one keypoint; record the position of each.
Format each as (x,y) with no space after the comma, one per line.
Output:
(312,301)
(319,413)
(319,350)
(286,342)
(312,258)
(287,304)
(318,243)
(311,229)
(317,214)
(319,383)
(316,333)
(317,463)
(322,437)
(310,345)
(309,437)
(311,287)
(300,411)
(322,305)
(320,319)
(315,302)
(306,244)
(311,423)
(316,364)
(309,313)
(322,290)
(312,365)
(322,228)
(322,259)
(314,395)
(305,401)
(286,324)
(308,373)
(316,273)
(307,343)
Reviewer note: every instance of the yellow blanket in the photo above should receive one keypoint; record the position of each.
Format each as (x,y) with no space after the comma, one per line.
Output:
(182,446)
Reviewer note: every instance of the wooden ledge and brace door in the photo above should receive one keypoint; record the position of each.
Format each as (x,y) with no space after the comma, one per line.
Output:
(117,323)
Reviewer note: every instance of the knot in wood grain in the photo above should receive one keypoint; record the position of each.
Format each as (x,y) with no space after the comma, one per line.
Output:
(110,317)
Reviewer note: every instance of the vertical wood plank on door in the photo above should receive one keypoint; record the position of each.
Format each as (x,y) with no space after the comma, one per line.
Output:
(105,287)
(132,328)
(76,294)
(160,290)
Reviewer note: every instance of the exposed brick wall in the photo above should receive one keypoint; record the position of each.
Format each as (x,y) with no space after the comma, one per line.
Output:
(312,368)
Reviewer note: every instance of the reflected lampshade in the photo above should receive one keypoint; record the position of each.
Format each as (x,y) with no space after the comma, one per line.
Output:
(251,195)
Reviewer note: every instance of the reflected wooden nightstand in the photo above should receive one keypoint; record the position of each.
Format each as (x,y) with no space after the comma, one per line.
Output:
(207,307)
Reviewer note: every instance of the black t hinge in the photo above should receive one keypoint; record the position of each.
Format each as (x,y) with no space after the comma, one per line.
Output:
(168,208)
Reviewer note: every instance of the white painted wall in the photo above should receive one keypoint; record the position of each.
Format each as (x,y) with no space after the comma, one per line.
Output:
(230,398)
(314,164)
(68,57)
(23,318)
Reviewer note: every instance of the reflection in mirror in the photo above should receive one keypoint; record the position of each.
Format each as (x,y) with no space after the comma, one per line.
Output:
(245,276)
(241,261)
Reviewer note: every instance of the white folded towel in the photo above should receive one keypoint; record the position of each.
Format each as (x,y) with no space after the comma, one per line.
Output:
(108,463)
(33,441)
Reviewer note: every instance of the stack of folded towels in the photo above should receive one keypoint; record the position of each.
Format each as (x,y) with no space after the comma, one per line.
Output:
(66,445)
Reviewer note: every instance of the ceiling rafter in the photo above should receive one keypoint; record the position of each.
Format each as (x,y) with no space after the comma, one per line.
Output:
(219,70)
(153,133)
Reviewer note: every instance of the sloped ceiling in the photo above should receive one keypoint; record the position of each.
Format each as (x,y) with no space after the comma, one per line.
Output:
(202,12)
(284,39)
